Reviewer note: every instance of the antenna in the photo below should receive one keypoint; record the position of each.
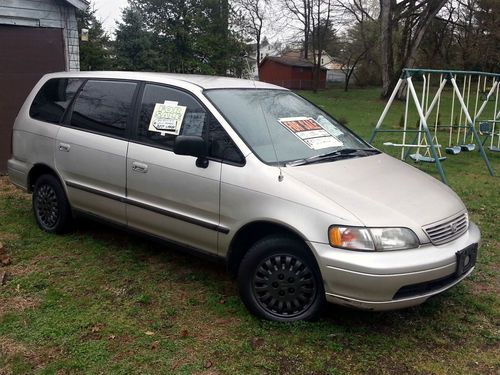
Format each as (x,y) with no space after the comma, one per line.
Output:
(280,176)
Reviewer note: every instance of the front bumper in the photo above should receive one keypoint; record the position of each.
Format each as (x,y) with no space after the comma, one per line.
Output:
(374,280)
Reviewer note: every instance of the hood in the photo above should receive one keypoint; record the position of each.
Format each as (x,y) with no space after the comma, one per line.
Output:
(381,190)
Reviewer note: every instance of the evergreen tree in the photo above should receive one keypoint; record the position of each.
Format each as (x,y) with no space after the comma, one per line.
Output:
(94,53)
(191,36)
(134,45)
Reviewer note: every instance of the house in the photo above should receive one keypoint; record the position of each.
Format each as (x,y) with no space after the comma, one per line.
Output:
(334,68)
(36,37)
(266,49)
(289,72)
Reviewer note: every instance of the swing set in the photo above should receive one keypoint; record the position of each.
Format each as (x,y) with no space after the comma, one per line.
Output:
(480,91)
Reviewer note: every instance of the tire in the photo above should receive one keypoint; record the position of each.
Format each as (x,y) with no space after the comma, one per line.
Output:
(50,205)
(279,280)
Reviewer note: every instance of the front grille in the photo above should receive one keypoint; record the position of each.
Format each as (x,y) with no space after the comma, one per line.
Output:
(447,231)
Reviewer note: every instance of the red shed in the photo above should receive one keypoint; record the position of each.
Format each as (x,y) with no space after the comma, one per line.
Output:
(289,72)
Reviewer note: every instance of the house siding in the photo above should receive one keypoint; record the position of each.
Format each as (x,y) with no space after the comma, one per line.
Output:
(46,14)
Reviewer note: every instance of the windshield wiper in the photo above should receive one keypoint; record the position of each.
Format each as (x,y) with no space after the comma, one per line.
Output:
(338,154)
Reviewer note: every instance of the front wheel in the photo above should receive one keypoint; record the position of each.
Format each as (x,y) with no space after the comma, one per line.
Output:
(50,205)
(279,280)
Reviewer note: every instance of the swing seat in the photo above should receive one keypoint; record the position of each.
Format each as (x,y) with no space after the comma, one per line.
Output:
(425,159)
(468,147)
(494,149)
(484,128)
(453,150)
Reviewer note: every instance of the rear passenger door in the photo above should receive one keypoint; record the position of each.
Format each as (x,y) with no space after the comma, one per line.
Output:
(91,148)
(168,194)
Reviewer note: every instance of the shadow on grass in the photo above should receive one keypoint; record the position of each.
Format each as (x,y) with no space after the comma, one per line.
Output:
(213,269)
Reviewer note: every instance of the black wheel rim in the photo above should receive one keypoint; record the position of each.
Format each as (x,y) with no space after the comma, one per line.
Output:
(46,206)
(284,285)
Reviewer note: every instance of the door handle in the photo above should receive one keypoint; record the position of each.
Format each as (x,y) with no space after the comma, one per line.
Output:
(64,147)
(139,167)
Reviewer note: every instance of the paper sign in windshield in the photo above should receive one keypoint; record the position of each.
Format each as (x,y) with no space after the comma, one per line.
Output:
(167,118)
(310,132)
(328,126)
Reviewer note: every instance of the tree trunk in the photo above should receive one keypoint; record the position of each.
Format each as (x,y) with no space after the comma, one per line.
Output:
(307,27)
(386,7)
(351,70)
(347,79)
(257,37)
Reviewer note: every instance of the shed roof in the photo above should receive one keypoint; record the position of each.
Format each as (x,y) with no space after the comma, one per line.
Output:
(290,61)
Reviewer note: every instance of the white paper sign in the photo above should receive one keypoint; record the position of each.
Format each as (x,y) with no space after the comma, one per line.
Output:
(167,118)
(310,132)
(331,128)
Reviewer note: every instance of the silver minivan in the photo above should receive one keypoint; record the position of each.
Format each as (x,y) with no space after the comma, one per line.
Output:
(302,210)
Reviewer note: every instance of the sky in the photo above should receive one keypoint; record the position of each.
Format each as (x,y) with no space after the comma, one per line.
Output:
(109,11)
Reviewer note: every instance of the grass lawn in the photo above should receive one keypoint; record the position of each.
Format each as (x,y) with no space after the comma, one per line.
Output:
(101,301)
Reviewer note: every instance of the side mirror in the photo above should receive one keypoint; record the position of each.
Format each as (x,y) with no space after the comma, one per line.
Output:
(193,146)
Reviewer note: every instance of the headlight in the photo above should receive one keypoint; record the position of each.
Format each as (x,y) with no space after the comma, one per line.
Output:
(371,239)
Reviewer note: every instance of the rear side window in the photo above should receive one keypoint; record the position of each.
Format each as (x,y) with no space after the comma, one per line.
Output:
(53,99)
(104,107)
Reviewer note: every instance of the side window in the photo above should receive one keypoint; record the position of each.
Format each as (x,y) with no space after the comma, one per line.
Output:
(53,99)
(196,121)
(104,107)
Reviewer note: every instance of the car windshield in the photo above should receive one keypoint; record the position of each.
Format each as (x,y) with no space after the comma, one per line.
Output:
(298,129)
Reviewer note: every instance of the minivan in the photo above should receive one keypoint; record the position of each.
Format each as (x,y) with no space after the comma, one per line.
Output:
(302,210)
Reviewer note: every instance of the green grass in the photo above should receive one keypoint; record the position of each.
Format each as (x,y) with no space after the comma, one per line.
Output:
(103,301)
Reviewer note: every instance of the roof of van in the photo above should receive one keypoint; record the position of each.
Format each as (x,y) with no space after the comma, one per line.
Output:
(205,82)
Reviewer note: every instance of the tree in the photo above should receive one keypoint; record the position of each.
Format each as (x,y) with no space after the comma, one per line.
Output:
(253,13)
(321,25)
(301,10)
(94,53)
(414,16)
(488,25)
(359,19)
(353,50)
(216,44)
(477,34)
(134,45)
(192,36)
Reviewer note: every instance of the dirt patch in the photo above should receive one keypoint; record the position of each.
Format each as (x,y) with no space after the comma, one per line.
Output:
(7,189)
(6,237)
(17,304)
(10,348)
(9,269)
(491,285)
(209,372)
(38,359)
(485,288)
(19,270)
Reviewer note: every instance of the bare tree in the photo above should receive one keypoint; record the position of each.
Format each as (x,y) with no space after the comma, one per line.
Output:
(359,18)
(321,23)
(301,10)
(351,55)
(253,14)
(414,16)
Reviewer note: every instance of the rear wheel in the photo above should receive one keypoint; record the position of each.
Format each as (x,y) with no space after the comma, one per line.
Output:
(279,280)
(50,205)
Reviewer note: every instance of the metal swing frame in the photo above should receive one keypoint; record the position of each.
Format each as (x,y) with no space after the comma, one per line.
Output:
(447,76)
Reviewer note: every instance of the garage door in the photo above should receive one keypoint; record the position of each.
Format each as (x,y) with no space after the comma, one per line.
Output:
(25,55)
